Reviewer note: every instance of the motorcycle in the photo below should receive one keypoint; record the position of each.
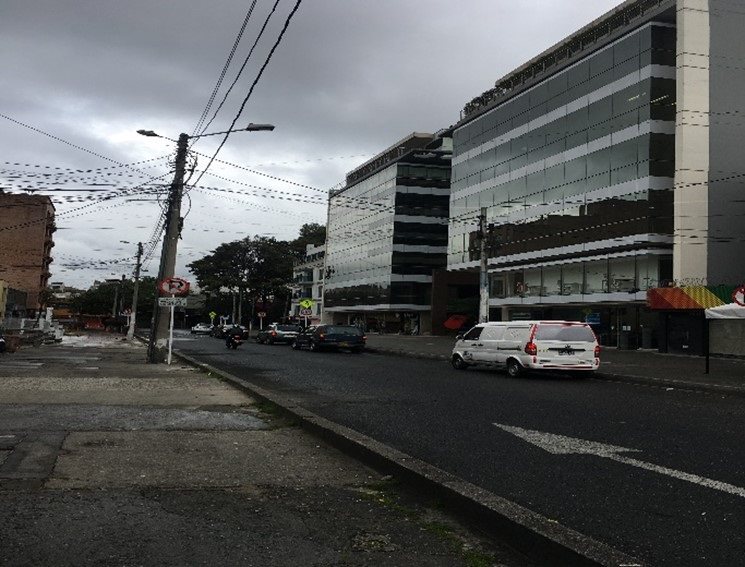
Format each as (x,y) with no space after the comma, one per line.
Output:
(233,340)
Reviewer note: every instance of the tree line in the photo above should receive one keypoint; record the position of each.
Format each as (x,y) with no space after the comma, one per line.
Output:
(238,279)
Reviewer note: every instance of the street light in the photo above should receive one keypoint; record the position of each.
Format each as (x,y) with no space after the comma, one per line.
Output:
(250,128)
(158,342)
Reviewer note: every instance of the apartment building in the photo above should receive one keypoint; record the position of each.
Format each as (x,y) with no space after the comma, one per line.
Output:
(26,229)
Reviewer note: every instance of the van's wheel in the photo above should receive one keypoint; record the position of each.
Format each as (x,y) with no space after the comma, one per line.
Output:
(314,346)
(513,368)
(458,362)
(295,346)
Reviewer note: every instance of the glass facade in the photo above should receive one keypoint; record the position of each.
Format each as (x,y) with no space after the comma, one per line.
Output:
(578,166)
(385,235)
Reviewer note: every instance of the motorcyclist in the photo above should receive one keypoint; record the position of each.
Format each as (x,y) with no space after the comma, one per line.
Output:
(233,336)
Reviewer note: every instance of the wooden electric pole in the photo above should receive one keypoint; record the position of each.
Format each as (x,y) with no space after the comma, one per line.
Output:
(157,350)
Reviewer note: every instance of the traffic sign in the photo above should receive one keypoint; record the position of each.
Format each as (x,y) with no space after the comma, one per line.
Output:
(261,314)
(212,314)
(306,303)
(172,301)
(738,296)
(306,312)
(174,286)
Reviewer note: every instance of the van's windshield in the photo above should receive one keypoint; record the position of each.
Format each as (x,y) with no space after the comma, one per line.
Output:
(564,333)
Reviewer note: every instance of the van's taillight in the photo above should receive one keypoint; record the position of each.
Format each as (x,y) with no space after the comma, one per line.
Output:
(597,351)
(364,338)
(531,349)
(321,336)
(274,333)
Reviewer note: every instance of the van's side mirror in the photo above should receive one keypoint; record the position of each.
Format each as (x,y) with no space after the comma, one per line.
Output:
(459,337)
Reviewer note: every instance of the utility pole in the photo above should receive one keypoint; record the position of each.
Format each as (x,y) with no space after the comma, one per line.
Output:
(158,343)
(133,315)
(116,299)
(484,275)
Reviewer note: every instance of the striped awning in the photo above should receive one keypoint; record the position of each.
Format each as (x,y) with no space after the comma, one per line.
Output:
(691,297)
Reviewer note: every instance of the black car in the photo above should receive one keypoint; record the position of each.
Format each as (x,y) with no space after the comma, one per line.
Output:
(218,331)
(325,337)
(277,333)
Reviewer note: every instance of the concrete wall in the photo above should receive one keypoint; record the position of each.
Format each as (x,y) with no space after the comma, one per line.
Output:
(726,206)
(692,142)
(727,336)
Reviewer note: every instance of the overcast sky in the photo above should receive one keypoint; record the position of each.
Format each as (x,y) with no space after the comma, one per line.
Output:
(350,78)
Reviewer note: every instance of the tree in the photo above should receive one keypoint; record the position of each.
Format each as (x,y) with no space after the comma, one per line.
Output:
(258,269)
(100,300)
(310,233)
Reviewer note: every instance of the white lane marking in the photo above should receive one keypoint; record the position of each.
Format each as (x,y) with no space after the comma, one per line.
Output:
(562,445)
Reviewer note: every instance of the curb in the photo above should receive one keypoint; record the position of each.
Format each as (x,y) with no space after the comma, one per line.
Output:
(539,538)
(600,375)
(670,383)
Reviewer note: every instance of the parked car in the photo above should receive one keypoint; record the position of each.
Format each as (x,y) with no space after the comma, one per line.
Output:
(520,346)
(278,333)
(323,337)
(201,329)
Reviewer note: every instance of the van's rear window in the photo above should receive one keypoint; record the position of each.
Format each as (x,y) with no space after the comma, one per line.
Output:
(564,333)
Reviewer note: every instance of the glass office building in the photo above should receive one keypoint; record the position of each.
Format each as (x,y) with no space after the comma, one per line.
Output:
(573,158)
(386,232)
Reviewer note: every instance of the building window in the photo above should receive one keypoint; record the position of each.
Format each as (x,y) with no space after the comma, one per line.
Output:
(596,276)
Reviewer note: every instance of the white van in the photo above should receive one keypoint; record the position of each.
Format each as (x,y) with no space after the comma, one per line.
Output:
(519,346)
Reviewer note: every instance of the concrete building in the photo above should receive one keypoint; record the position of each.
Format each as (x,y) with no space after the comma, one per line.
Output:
(386,233)
(609,165)
(26,226)
(307,277)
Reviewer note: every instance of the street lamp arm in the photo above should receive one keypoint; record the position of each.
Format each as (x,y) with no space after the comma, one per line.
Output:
(250,128)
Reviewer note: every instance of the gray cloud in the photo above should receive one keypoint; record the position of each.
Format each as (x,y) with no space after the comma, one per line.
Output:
(350,78)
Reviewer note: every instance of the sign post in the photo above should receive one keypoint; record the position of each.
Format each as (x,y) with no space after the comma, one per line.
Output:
(261,315)
(170,333)
(171,302)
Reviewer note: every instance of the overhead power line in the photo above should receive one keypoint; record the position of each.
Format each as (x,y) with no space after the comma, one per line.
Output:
(253,86)
(243,66)
(207,108)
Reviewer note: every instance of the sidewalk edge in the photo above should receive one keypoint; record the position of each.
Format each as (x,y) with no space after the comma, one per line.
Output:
(534,535)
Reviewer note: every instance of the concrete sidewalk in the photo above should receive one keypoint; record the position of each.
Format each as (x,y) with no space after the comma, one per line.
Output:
(634,366)
(107,460)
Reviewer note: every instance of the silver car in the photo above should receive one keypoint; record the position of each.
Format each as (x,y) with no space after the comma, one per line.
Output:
(278,333)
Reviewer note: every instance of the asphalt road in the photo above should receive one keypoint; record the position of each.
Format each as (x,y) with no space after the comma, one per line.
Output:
(677,499)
